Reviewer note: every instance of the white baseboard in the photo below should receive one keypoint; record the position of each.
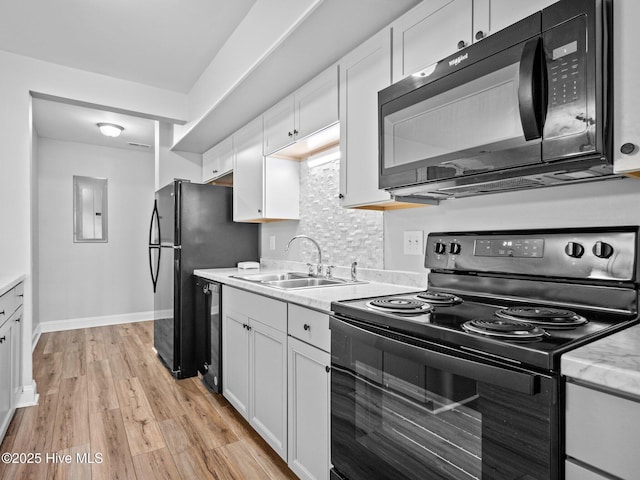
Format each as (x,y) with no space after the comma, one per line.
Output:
(88,322)
(35,336)
(29,396)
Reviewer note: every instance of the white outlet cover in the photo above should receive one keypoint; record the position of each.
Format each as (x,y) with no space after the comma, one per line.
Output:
(413,242)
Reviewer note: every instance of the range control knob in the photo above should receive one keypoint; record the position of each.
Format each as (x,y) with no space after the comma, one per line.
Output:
(574,249)
(455,248)
(602,250)
(440,248)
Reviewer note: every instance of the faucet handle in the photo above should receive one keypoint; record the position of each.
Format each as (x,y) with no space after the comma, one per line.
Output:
(354,272)
(329,272)
(312,269)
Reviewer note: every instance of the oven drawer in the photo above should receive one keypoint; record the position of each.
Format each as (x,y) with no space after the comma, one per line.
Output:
(310,326)
(598,431)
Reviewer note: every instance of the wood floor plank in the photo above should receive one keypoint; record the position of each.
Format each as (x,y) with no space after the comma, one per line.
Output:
(101,389)
(75,341)
(121,364)
(112,339)
(56,342)
(74,470)
(49,373)
(71,424)
(156,465)
(239,462)
(74,363)
(190,465)
(142,429)
(94,345)
(109,439)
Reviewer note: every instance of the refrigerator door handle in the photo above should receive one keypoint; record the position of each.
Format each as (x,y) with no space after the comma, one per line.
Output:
(154,278)
(155,218)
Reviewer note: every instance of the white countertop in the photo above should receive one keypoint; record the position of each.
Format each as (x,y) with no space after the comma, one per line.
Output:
(612,362)
(8,281)
(317,298)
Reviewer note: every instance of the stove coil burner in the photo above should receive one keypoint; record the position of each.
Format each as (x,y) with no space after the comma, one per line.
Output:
(404,306)
(506,330)
(551,318)
(439,298)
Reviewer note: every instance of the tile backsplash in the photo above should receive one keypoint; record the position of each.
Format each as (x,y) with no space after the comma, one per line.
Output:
(345,235)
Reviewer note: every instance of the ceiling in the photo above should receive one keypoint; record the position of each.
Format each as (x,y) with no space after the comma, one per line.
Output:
(163,43)
(168,44)
(73,123)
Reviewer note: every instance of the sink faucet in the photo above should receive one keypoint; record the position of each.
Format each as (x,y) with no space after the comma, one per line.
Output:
(318,269)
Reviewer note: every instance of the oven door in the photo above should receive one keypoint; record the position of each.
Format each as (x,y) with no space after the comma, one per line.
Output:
(417,411)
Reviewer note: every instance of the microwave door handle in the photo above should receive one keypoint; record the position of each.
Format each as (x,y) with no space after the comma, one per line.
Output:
(531,89)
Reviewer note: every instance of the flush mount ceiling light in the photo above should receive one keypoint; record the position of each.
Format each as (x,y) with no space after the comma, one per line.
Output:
(110,129)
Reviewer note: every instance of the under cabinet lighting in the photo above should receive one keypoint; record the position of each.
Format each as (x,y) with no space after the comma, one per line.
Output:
(110,129)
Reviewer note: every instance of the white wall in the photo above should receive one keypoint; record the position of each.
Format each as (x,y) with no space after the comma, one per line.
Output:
(84,280)
(608,203)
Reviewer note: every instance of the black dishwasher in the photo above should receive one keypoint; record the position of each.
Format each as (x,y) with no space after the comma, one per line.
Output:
(208,329)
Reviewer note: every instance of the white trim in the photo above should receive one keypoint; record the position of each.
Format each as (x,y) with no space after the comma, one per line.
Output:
(88,322)
(29,396)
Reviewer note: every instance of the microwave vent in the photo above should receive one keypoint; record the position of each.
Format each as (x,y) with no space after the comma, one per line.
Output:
(496,186)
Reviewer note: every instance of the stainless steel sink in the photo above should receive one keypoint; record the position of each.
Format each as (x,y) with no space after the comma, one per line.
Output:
(294,280)
(305,282)
(269,277)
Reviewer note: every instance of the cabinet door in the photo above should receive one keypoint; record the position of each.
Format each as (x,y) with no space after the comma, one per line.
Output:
(248,194)
(235,360)
(279,125)
(218,161)
(16,349)
(626,101)
(309,404)
(363,72)
(428,33)
(316,103)
(6,356)
(490,16)
(268,377)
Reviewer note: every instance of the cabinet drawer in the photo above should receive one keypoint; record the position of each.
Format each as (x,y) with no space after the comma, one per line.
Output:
(7,305)
(18,293)
(262,309)
(310,326)
(601,430)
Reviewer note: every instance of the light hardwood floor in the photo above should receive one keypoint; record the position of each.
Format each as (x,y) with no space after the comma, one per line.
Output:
(103,391)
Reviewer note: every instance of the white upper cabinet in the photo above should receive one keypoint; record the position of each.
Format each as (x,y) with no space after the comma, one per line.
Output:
(626,102)
(218,161)
(428,33)
(310,109)
(263,188)
(434,30)
(363,72)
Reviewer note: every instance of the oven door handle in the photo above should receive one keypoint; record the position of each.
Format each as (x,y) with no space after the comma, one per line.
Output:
(501,376)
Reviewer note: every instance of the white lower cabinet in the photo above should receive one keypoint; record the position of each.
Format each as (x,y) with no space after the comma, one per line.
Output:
(308,410)
(254,362)
(10,355)
(6,367)
(602,435)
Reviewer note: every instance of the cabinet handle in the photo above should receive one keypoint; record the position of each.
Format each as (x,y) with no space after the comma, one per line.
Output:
(21,295)
(627,148)
(290,134)
(2,312)
(18,320)
(461,44)
(3,339)
(340,196)
(327,368)
(479,35)
(248,327)
(259,210)
(307,326)
(244,325)
(295,132)
(214,171)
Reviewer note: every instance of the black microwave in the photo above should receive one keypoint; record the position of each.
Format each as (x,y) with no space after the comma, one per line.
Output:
(526,107)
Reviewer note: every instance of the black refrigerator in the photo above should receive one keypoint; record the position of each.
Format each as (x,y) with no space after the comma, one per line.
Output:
(191,228)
